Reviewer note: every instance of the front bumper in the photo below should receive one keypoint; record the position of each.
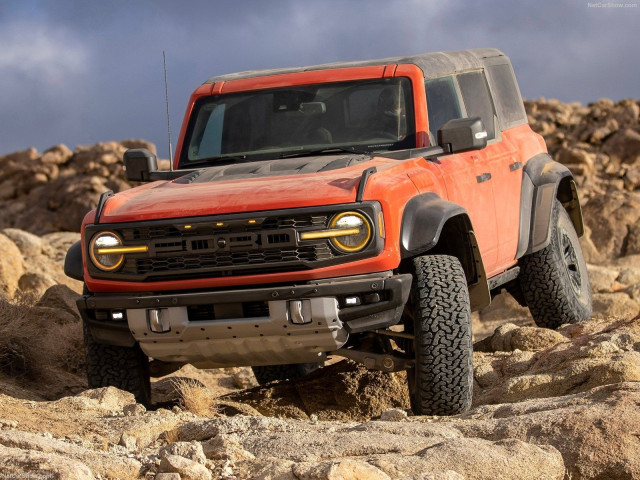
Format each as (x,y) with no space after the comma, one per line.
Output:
(227,337)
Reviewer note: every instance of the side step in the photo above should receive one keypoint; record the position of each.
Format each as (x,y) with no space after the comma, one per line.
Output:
(503,278)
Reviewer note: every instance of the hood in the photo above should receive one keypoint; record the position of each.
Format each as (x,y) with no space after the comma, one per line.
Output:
(245,187)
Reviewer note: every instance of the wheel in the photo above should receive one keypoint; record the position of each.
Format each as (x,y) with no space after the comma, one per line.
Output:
(441,383)
(554,280)
(272,373)
(126,368)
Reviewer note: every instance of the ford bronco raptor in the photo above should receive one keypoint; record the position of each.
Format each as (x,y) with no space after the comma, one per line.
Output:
(360,210)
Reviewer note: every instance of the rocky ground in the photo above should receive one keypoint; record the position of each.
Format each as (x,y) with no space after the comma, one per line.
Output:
(547,404)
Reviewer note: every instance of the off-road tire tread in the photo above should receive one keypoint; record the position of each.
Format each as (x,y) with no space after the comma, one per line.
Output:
(126,368)
(546,285)
(443,376)
(271,373)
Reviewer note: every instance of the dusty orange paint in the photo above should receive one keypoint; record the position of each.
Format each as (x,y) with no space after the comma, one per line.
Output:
(493,206)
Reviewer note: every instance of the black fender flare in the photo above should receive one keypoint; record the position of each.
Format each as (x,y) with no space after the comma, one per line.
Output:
(544,180)
(73,266)
(425,218)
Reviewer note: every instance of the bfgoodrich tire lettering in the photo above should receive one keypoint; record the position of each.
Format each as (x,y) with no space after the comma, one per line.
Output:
(554,280)
(126,368)
(442,381)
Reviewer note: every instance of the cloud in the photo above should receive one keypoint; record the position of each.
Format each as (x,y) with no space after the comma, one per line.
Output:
(40,53)
(79,72)
(43,70)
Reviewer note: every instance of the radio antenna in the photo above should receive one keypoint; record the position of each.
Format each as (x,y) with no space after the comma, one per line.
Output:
(166,98)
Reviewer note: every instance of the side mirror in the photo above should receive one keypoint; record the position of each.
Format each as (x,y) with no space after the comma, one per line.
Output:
(139,164)
(462,134)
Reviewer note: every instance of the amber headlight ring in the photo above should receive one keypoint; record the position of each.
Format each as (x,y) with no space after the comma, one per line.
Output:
(99,251)
(353,242)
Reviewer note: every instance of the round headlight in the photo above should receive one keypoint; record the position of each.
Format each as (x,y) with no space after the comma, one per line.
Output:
(99,251)
(353,242)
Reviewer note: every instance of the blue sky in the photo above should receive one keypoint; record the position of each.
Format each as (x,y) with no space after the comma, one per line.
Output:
(83,71)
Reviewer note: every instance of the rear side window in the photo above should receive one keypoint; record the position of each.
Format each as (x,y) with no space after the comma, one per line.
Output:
(442,103)
(507,97)
(477,99)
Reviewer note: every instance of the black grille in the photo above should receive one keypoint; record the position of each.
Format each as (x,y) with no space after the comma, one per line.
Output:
(230,245)
(255,309)
(155,265)
(210,228)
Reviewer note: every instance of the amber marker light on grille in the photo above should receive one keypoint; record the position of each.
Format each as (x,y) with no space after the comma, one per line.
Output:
(220,224)
(187,227)
(109,250)
(251,222)
(329,233)
(348,232)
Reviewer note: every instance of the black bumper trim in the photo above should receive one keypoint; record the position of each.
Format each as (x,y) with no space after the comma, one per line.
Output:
(397,286)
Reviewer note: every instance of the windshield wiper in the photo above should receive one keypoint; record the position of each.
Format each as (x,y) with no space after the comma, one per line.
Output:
(214,161)
(304,153)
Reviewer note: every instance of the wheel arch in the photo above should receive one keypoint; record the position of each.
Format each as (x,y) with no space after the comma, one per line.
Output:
(430,226)
(543,181)
(73,266)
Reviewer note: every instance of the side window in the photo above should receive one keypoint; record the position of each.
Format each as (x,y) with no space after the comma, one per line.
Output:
(442,103)
(477,99)
(507,97)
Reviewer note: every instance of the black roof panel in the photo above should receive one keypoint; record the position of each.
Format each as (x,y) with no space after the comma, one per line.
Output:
(432,64)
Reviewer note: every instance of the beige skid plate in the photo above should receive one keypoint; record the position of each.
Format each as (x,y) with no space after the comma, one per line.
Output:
(227,342)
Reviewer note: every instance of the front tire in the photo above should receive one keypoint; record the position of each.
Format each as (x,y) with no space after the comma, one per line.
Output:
(441,383)
(554,280)
(126,368)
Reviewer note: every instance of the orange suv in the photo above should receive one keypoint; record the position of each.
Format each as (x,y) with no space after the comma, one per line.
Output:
(360,210)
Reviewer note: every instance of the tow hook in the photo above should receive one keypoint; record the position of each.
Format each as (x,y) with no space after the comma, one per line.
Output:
(158,320)
(297,310)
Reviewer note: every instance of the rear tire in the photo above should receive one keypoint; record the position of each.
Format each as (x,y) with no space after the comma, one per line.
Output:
(126,368)
(554,280)
(271,373)
(442,381)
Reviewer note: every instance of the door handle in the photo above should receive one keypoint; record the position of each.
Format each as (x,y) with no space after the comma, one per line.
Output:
(515,166)
(483,178)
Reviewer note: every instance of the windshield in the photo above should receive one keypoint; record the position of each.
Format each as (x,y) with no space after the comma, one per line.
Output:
(359,116)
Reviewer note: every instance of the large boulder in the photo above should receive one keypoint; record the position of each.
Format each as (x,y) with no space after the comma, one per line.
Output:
(12,266)
(29,244)
(624,146)
(53,191)
(609,219)
(18,463)
(544,363)
(594,431)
